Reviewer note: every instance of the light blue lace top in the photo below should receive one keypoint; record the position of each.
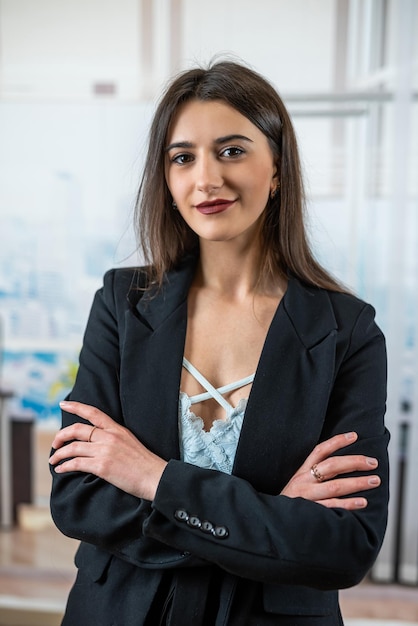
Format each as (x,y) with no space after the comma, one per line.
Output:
(216,448)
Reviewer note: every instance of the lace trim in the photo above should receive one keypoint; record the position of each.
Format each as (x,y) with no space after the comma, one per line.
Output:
(213,449)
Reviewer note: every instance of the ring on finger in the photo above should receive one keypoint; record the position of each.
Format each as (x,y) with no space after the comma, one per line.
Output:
(91,432)
(317,474)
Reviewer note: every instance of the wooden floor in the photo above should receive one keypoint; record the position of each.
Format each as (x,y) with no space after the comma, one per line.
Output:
(37,571)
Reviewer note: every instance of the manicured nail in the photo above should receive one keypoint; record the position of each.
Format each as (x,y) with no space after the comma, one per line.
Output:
(64,403)
(361,503)
(350,436)
(371,461)
(374,480)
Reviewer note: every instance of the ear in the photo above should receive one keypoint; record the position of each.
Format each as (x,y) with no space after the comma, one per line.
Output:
(275,184)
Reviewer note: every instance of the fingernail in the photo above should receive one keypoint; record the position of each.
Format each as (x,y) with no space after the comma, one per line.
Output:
(350,436)
(64,403)
(361,503)
(371,461)
(374,480)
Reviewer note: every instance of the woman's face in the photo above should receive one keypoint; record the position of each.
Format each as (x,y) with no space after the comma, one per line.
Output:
(219,169)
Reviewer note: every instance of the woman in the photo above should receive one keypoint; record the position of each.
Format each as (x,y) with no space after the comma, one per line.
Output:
(258,510)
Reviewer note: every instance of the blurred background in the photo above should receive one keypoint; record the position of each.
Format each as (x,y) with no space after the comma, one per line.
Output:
(79,80)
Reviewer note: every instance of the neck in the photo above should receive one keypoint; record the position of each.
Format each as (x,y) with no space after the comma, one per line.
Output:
(233,270)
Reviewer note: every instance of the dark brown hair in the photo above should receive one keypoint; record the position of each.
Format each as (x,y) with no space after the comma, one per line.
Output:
(164,236)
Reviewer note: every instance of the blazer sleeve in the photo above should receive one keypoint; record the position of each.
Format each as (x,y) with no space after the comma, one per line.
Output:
(84,506)
(277,539)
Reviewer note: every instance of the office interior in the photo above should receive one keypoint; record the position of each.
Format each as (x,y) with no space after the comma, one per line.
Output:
(79,80)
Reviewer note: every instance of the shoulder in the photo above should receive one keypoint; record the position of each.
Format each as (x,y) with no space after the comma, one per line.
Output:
(126,281)
(345,306)
(354,312)
(122,289)
(132,283)
(123,281)
(344,313)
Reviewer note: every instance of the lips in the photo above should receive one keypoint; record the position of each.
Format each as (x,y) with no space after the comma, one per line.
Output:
(214,206)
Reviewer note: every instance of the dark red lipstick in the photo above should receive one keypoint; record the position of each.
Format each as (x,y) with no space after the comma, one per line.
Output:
(214,206)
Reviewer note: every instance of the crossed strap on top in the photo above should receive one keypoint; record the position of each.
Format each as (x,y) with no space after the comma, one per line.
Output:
(211,391)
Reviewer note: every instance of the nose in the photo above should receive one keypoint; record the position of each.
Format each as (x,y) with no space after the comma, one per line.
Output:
(209,174)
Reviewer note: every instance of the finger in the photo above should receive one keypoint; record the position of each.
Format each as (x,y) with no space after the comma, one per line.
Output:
(86,464)
(349,504)
(78,431)
(328,447)
(88,412)
(324,449)
(74,449)
(337,465)
(340,487)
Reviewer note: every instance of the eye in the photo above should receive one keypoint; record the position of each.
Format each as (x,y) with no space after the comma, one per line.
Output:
(182,159)
(232,152)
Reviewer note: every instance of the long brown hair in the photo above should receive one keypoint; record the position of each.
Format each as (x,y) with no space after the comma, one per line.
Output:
(164,236)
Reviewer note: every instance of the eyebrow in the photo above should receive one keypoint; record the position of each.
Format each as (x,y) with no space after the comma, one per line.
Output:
(218,141)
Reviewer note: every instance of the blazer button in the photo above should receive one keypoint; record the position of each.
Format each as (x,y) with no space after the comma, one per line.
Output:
(221,532)
(181,515)
(207,527)
(194,521)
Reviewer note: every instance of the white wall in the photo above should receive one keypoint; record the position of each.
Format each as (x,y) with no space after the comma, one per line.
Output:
(291,42)
(61,48)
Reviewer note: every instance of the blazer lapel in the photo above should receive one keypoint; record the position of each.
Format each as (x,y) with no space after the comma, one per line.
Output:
(151,356)
(289,396)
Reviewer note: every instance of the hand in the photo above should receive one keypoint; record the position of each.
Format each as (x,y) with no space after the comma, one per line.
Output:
(108,450)
(316,479)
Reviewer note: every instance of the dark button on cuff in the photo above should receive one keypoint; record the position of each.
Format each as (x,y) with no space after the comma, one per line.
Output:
(221,532)
(181,515)
(207,527)
(194,521)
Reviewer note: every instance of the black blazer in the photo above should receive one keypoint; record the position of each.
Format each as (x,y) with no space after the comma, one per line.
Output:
(273,559)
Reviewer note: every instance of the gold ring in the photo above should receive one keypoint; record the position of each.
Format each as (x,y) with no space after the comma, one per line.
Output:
(317,474)
(91,432)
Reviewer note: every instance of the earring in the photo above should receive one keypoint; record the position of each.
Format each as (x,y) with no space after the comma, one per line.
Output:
(174,205)
(274,191)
